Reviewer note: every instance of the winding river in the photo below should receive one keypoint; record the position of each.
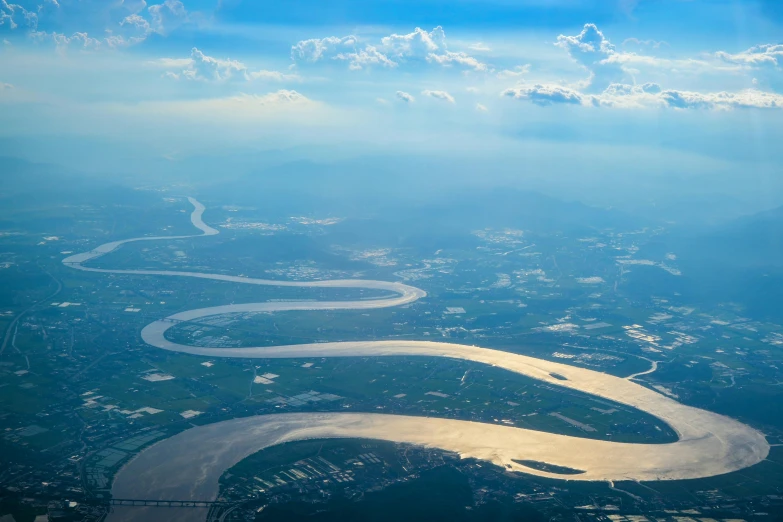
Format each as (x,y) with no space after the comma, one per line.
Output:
(188,466)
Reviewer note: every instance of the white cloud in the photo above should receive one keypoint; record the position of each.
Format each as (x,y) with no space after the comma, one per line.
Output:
(404,96)
(472,90)
(136,21)
(62,41)
(131,29)
(419,43)
(134,29)
(747,99)
(168,63)
(588,46)
(419,46)
(268,114)
(84,40)
(479,47)
(692,65)
(77,38)
(133,6)
(5,86)
(516,72)
(655,44)
(167,16)
(429,46)
(760,55)
(651,95)
(628,96)
(279,98)
(648,95)
(606,65)
(367,56)
(206,68)
(481,108)
(439,95)
(315,49)
(273,100)
(129,21)
(203,67)
(591,49)
(276,76)
(14,16)
(448,58)
(545,94)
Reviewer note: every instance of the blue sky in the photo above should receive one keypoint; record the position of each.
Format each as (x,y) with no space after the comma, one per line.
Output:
(663,85)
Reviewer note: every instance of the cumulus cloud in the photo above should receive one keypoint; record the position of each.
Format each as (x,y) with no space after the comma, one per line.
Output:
(429,46)
(63,41)
(133,29)
(167,16)
(12,16)
(419,46)
(5,86)
(592,50)
(136,21)
(129,21)
(651,95)
(481,108)
(449,58)
(629,96)
(439,95)
(629,61)
(84,40)
(315,49)
(364,57)
(282,97)
(132,6)
(760,55)
(207,68)
(747,99)
(606,65)
(587,47)
(646,95)
(545,94)
(203,67)
(404,96)
(419,43)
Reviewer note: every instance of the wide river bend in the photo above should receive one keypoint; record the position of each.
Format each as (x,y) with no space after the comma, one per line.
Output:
(188,466)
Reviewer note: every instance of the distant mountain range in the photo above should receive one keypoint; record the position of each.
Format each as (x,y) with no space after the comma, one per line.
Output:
(740,262)
(26,184)
(387,193)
